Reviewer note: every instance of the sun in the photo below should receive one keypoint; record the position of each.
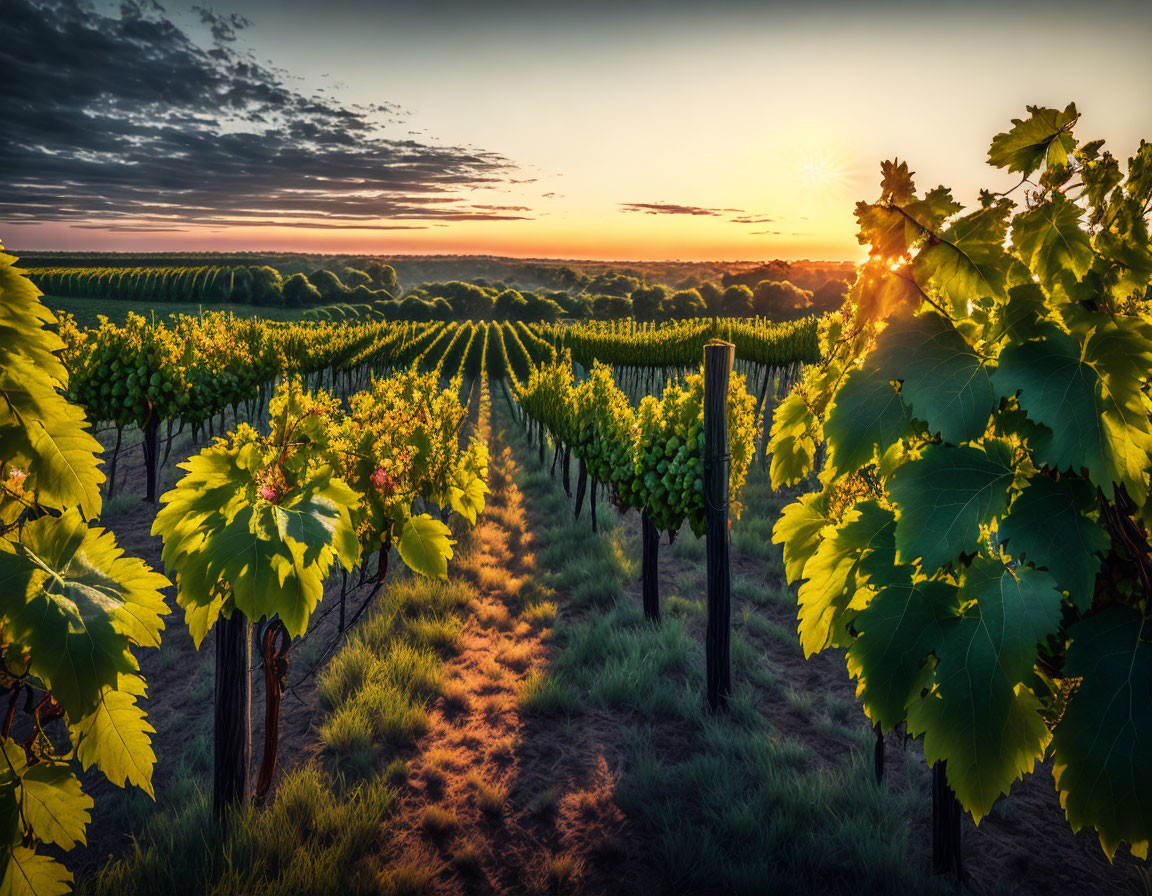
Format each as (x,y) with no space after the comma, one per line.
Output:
(821,176)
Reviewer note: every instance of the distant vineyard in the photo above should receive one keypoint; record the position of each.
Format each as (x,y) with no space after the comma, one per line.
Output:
(185,284)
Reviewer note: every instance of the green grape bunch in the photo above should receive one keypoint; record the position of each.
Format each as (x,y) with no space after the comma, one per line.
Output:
(979,540)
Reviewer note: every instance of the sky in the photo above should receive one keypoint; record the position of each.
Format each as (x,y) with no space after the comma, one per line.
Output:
(618,130)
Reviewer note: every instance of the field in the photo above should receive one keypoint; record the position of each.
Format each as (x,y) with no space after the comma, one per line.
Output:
(463,606)
(588,582)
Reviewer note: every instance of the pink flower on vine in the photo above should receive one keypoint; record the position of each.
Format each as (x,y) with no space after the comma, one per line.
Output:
(382,481)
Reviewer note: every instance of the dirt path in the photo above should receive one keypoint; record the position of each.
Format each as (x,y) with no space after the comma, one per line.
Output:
(499,801)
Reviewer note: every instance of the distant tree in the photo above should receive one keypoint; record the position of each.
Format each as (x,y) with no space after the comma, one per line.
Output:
(611,307)
(441,309)
(354,278)
(780,299)
(713,298)
(831,295)
(468,300)
(388,309)
(361,295)
(238,286)
(413,308)
(736,301)
(509,305)
(329,285)
(299,292)
(774,270)
(383,276)
(540,309)
(267,286)
(612,283)
(686,303)
(648,302)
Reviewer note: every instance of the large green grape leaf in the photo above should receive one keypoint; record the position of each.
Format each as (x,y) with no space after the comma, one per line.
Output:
(1091,426)
(1102,747)
(853,552)
(867,414)
(945,382)
(980,716)
(1048,527)
(943,498)
(64,470)
(1041,140)
(467,498)
(55,807)
(798,530)
(115,737)
(967,261)
(425,546)
(896,632)
(77,604)
(243,553)
(317,517)
(791,445)
(1049,239)
(29,873)
(1018,317)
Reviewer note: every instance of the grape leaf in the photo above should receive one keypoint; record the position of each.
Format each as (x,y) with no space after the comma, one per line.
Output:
(867,414)
(791,444)
(114,738)
(967,261)
(1090,427)
(425,545)
(54,805)
(896,632)
(65,467)
(945,383)
(798,529)
(837,569)
(29,873)
(1049,239)
(1102,747)
(979,716)
(78,604)
(1041,140)
(943,498)
(1047,526)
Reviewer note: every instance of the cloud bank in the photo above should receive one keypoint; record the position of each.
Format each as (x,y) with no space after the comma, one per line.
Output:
(126,122)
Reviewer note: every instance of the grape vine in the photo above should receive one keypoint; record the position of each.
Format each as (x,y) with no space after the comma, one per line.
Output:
(979,540)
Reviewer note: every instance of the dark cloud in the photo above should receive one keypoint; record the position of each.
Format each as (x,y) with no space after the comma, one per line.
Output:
(752,219)
(127,121)
(668,208)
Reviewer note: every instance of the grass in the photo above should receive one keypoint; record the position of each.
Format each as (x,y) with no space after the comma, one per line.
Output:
(542,613)
(731,804)
(439,821)
(328,818)
(490,798)
(544,694)
(309,840)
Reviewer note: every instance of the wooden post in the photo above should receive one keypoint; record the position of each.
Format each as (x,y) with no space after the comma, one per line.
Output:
(567,471)
(718,358)
(878,756)
(233,731)
(649,572)
(946,813)
(581,484)
(592,504)
(152,455)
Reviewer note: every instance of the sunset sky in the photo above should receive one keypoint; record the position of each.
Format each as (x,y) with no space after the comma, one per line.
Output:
(582,130)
